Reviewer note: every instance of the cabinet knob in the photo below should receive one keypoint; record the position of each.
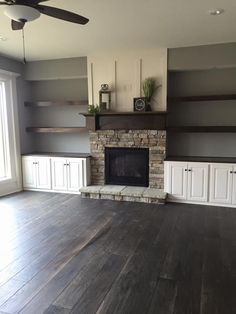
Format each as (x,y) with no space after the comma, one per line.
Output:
(185,169)
(189,170)
(231,172)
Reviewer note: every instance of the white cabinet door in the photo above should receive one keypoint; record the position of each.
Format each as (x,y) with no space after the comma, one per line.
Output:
(59,174)
(221,183)
(234,187)
(29,172)
(177,180)
(43,173)
(197,182)
(74,174)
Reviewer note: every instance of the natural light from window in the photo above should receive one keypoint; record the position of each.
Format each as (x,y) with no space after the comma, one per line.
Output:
(4,135)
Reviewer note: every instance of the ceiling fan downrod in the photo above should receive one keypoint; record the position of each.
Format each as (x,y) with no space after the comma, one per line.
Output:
(23,42)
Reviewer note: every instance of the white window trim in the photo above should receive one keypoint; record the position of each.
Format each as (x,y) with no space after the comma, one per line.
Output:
(15,183)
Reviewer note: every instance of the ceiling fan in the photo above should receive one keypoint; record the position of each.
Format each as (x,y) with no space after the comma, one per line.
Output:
(22,11)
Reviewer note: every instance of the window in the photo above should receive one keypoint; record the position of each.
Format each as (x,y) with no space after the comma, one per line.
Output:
(5,172)
(10,171)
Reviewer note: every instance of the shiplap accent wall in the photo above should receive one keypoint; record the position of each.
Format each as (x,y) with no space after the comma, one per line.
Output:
(124,72)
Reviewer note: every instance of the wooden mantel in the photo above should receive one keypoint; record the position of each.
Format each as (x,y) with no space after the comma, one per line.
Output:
(155,120)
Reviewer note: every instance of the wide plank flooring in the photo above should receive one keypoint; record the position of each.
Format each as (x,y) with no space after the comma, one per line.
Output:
(60,254)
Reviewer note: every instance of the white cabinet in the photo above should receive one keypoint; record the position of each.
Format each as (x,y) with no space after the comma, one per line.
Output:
(234,186)
(36,173)
(59,174)
(68,174)
(186,181)
(29,173)
(75,179)
(197,182)
(177,180)
(222,184)
(56,174)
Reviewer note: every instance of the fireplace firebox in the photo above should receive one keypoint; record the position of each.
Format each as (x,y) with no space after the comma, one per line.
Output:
(127,166)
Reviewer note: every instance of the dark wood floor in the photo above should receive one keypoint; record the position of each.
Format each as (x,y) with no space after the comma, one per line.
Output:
(62,254)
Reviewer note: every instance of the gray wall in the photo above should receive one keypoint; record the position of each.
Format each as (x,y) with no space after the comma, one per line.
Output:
(71,143)
(23,92)
(200,144)
(63,89)
(202,57)
(202,70)
(56,69)
(210,82)
(64,79)
(66,116)
(11,65)
(27,139)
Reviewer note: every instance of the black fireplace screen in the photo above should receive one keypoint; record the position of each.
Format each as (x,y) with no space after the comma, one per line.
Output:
(127,166)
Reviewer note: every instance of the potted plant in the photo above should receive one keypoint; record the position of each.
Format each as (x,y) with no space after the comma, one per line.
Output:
(149,87)
(93,109)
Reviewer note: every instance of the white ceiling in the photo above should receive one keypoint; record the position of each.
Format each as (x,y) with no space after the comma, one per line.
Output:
(119,24)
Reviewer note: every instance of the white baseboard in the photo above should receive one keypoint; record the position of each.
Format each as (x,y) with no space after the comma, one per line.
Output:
(200,203)
(51,191)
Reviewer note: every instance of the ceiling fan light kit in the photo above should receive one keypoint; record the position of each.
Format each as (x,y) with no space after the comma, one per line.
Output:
(21,13)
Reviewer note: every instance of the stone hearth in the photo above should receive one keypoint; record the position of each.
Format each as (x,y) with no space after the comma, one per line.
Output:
(124,193)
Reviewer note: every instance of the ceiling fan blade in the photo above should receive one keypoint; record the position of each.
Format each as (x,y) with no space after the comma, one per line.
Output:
(29,2)
(15,25)
(62,14)
(8,2)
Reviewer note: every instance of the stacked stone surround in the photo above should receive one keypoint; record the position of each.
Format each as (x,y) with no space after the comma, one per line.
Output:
(152,139)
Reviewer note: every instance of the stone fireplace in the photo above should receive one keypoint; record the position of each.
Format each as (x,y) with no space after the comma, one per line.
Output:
(153,140)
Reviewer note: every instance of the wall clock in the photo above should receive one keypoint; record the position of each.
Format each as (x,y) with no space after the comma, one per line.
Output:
(140,104)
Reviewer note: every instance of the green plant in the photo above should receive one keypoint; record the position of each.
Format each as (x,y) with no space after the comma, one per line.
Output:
(93,109)
(149,87)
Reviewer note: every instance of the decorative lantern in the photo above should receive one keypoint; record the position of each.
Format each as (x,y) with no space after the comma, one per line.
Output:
(105,97)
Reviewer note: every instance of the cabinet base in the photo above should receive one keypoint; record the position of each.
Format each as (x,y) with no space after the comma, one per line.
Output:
(200,203)
(51,191)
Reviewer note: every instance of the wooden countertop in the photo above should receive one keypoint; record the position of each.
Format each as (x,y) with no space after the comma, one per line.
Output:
(202,159)
(67,155)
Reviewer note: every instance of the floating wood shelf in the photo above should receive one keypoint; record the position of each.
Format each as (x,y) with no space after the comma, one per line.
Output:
(56,103)
(202,98)
(126,121)
(202,129)
(56,130)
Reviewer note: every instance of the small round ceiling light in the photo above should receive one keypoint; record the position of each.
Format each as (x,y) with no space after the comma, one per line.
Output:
(21,13)
(216,12)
